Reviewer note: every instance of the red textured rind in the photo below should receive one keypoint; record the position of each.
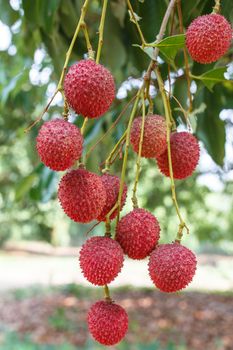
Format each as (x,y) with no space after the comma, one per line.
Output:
(138,233)
(185,153)
(89,88)
(172,267)
(107,322)
(112,186)
(101,260)
(154,138)
(208,38)
(82,195)
(59,144)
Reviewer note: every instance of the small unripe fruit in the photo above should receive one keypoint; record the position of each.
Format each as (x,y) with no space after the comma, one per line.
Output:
(101,260)
(82,195)
(208,38)
(59,144)
(138,233)
(185,153)
(112,186)
(89,88)
(107,322)
(172,267)
(154,136)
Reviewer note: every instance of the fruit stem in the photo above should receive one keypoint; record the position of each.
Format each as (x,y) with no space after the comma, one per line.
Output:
(109,159)
(167,110)
(42,114)
(138,162)
(217,6)
(88,43)
(84,125)
(68,53)
(101,30)
(187,70)
(124,165)
(111,127)
(136,23)
(107,293)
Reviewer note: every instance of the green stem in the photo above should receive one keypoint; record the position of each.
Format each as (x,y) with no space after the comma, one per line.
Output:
(217,6)
(88,43)
(136,23)
(167,110)
(68,53)
(101,30)
(124,165)
(84,125)
(108,160)
(138,163)
(187,70)
(107,293)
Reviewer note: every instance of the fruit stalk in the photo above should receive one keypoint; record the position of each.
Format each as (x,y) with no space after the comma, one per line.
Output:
(167,110)
(68,53)
(136,23)
(187,70)
(101,30)
(217,6)
(127,143)
(138,163)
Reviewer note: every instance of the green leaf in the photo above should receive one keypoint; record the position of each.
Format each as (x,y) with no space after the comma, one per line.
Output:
(170,45)
(210,128)
(213,77)
(7,14)
(24,186)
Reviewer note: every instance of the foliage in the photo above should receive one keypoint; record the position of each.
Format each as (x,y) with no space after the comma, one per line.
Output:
(41,33)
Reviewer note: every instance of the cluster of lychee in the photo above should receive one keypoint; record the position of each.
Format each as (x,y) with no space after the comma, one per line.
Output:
(85,196)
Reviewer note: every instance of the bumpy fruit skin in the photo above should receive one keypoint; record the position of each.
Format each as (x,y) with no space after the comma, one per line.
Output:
(101,260)
(107,322)
(172,267)
(112,186)
(59,144)
(138,233)
(185,153)
(82,195)
(89,88)
(208,38)
(154,138)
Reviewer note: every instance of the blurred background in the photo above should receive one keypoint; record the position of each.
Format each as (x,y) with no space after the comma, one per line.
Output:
(44,297)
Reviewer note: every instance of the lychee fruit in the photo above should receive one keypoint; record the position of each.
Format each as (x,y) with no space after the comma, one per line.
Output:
(172,267)
(208,38)
(185,152)
(107,322)
(89,88)
(138,233)
(154,136)
(101,260)
(59,144)
(112,186)
(82,195)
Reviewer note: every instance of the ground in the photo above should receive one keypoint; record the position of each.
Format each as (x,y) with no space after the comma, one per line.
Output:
(46,298)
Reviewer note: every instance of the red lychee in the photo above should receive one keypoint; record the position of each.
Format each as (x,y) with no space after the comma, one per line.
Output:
(101,260)
(185,154)
(107,322)
(112,186)
(138,233)
(89,88)
(208,38)
(82,195)
(59,144)
(172,267)
(154,137)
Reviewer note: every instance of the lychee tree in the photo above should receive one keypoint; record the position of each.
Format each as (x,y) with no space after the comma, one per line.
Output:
(173,65)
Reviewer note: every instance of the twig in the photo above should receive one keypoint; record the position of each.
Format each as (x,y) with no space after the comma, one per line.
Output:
(101,30)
